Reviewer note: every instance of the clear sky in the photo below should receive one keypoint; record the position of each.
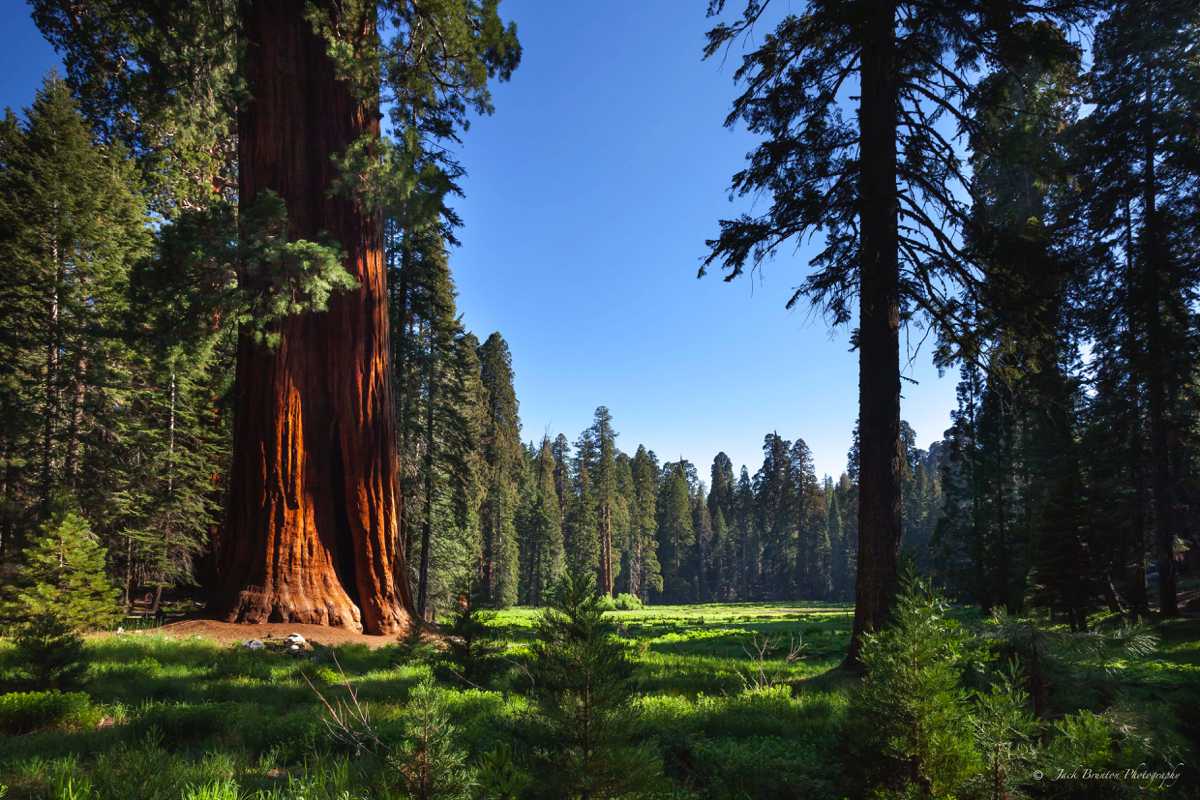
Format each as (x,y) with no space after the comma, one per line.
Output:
(589,196)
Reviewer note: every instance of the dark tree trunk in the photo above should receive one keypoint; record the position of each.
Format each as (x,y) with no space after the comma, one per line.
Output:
(1133,550)
(313,525)
(879,331)
(1155,266)
(427,518)
(606,570)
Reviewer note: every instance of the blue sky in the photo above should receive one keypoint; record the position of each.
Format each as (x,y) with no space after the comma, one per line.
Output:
(589,196)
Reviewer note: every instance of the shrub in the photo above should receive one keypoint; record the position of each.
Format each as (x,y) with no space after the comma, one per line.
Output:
(63,575)
(627,602)
(581,684)
(25,712)
(909,728)
(50,652)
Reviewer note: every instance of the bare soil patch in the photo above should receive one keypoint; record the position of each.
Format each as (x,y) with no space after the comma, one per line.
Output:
(234,633)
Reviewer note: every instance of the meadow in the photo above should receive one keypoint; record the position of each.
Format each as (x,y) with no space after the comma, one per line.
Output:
(741,701)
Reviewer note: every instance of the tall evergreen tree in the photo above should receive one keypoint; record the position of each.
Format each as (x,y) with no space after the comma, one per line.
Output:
(882,189)
(1140,178)
(74,225)
(501,457)
(676,533)
(545,534)
(644,570)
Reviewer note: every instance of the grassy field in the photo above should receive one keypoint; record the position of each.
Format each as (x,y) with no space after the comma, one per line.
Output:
(175,718)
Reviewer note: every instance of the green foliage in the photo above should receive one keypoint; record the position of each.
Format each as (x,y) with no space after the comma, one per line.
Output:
(627,602)
(430,762)
(909,724)
(50,651)
(471,647)
(24,712)
(283,278)
(1005,735)
(502,461)
(500,776)
(580,678)
(63,575)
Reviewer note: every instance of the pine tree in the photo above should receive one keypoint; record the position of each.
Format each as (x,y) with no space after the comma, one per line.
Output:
(604,484)
(581,684)
(702,558)
(502,456)
(74,225)
(580,533)
(1139,169)
(746,546)
(676,533)
(881,188)
(645,573)
(62,575)
(545,534)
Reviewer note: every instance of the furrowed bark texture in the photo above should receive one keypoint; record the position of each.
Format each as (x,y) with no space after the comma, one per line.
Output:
(879,332)
(312,531)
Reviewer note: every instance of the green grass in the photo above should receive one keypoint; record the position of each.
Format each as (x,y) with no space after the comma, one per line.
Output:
(186,718)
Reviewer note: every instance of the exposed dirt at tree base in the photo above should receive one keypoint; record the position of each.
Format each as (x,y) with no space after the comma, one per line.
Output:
(235,633)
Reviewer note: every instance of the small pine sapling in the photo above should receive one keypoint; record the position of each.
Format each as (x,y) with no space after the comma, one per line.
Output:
(582,689)
(472,651)
(63,574)
(1006,734)
(431,764)
(909,726)
(51,652)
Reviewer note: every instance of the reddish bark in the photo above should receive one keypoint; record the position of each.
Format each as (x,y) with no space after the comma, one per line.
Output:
(313,527)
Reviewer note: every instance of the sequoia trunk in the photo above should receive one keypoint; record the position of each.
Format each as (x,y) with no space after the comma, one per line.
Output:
(312,532)
(878,332)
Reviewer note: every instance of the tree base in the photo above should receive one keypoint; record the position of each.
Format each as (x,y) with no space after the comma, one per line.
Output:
(255,606)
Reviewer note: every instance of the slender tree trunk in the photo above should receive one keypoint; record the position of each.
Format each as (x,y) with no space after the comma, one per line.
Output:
(75,421)
(313,531)
(51,399)
(169,520)
(1136,572)
(1155,265)
(427,520)
(879,331)
(606,570)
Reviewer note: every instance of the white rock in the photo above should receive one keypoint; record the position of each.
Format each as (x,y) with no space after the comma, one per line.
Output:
(295,639)
(254,644)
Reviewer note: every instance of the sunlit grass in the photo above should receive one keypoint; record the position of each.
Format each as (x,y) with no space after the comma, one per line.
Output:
(175,718)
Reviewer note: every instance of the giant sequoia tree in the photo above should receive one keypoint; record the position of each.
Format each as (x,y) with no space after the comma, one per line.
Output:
(312,532)
(313,524)
(880,188)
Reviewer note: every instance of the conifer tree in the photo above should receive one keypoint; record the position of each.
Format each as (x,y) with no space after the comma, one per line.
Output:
(580,533)
(1139,174)
(581,684)
(62,575)
(502,459)
(545,534)
(676,533)
(644,571)
(73,225)
(882,189)
(604,485)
